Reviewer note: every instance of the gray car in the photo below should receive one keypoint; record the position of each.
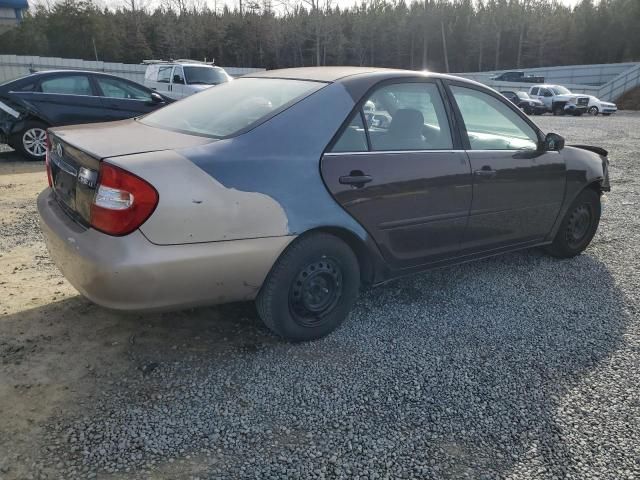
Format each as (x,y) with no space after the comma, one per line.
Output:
(279,188)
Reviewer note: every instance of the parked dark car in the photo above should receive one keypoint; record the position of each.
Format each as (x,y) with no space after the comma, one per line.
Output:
(517,76)
(530,106)
(275,187)
(30,105)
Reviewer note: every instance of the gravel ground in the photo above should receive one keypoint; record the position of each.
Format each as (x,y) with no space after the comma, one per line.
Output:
(517,367)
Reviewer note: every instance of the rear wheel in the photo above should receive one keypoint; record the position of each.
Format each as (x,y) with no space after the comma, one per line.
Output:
(311,288)
(578,226)
(31,141)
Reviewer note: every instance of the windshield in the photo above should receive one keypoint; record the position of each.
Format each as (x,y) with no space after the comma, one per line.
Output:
(232,107)
(560,90)
(205,75)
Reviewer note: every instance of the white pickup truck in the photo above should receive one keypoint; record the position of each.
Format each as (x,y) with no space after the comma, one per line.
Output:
(559,100)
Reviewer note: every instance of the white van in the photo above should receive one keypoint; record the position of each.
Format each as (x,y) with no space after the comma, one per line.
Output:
(180,78)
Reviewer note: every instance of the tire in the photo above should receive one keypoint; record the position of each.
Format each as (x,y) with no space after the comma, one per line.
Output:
(578,226)
(30,141)
(528,110)
(577,113)
(310,289)
(594,111)
(606,114)
(558,110)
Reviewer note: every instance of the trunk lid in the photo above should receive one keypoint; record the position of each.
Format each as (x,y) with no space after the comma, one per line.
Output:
(76,152)
(124,137)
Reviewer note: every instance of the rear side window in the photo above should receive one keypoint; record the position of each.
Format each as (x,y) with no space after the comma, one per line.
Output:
(233,107)
(151,73)
(402,117)
(114,88)
(353,139)
(69,85)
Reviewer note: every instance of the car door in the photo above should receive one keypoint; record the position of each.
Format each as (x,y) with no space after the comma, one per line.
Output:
(164,85)
(64,99)
(402,174)
(177,83)
(518,188)
(124,99)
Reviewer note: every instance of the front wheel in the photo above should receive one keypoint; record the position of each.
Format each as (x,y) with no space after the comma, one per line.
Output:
(31,141)
(594,111)
(558,109)
(311,288)
(578,226)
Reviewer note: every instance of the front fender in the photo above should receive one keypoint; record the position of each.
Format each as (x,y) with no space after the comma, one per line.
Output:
(586,166)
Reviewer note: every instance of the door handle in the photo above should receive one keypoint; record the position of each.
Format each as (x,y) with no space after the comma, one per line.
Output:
(485,171)
(355,178)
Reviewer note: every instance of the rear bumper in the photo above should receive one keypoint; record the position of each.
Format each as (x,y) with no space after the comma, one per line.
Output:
(131,273)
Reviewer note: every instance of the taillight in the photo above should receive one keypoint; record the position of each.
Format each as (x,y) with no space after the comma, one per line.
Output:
(47,160)
(123,201)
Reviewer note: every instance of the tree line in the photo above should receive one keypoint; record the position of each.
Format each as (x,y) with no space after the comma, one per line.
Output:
(439,35)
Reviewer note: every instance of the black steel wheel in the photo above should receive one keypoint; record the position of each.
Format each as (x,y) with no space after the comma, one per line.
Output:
(315,292)
(311,288)
(578,226)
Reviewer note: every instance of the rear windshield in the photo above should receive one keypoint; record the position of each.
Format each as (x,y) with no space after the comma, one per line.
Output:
(205,75)
(231,108)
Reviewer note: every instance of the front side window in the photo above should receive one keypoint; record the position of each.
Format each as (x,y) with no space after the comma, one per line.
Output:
(114,88)
(491,124)
(178,76)
(534,91)
(69,85)
(232,107)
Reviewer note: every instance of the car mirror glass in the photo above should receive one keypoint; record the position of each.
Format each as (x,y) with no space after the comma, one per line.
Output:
(553,142)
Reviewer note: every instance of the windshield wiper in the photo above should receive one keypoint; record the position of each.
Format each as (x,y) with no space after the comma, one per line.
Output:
(200,83)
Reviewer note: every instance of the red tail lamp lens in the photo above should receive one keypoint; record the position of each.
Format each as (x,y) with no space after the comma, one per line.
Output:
(123,201)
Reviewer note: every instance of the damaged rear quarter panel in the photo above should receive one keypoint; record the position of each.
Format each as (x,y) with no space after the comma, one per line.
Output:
(280,159)
(194,207)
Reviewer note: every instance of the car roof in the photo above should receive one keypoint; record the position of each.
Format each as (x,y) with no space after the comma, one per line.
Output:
(55,72)
(337,74)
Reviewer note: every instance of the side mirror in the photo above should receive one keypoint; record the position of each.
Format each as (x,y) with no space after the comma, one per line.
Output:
(178,79)
(553,142)
(156,98)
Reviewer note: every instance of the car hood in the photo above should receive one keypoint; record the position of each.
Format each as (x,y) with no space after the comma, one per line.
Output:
(568,96)
(125,137)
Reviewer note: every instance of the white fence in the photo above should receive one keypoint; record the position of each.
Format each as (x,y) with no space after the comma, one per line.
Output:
(606,81)
(16,66)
